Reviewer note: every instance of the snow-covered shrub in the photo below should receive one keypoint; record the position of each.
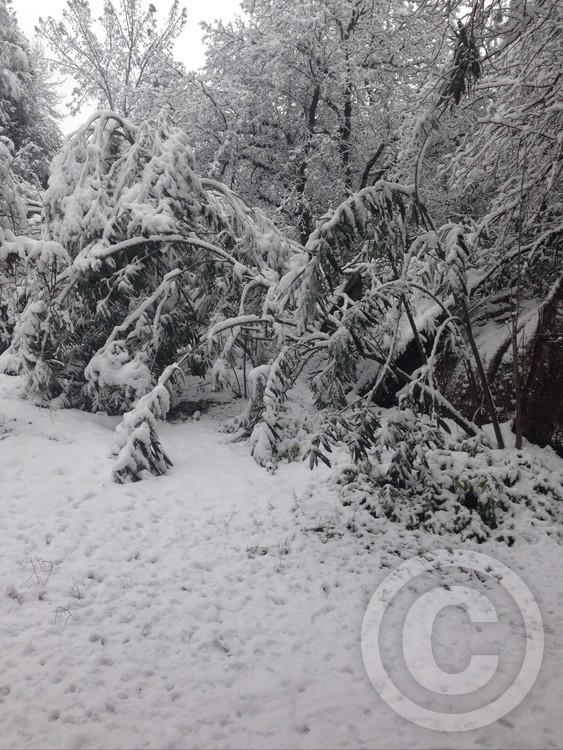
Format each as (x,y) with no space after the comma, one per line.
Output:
(161,265)
(137,447)
(115,379)
(462,487)
(36,349)
(269,386)
(159,255)
(12,221)
(28,272)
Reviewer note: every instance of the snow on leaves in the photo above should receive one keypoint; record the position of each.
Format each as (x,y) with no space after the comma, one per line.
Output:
(137,446)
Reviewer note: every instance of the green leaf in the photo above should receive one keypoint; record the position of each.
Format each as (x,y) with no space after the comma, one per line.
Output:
(444,425)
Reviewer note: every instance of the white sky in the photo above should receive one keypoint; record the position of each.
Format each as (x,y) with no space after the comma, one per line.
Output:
(189,48)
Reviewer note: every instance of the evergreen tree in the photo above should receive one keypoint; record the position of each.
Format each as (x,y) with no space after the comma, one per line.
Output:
(27,115)
(159,255)
(29,137)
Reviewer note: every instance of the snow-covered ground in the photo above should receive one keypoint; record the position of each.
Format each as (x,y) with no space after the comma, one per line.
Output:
(219,606)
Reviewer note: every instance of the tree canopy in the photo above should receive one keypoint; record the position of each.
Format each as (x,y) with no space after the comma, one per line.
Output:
(124,61)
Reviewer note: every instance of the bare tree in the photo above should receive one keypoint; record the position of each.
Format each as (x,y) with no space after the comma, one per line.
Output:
(128,66)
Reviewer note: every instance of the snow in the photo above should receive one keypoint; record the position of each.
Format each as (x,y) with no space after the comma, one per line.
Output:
(113,367)
(44,254)
(218,606)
